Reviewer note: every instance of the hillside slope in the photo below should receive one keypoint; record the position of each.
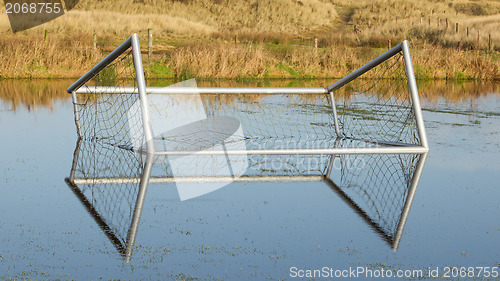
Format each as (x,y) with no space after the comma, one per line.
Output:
(194,16)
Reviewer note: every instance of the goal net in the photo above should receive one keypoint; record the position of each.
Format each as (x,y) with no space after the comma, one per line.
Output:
(379,108)
(111,183)
(106,180)
(131,135)
(103,116)
(376,106)
(380,189)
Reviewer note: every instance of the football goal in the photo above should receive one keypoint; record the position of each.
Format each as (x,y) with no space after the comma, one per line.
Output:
(363,136)
(378,115)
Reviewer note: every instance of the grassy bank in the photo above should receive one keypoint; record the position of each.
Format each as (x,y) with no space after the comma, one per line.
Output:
(196,38)
(33,58)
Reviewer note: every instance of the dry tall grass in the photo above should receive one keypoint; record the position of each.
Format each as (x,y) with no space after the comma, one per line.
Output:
(220,60)
(229,61)
(196,37)
(31,57)
(63,58)
(191,16)
(432,62)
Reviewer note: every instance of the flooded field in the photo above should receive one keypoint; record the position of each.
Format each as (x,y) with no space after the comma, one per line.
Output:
(255,230)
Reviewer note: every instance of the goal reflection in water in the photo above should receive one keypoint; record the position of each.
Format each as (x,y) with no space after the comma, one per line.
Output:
(111,182)
(369,130)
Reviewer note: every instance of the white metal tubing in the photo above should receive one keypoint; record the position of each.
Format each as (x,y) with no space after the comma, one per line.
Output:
(153,180)
(139,204)
(335,116)
(412,84)
(141,86)
(102,64)
(379,142)
(360,71)
(322,151)
(203,90)
(332,159)
(409,199)
(77,114)
(330,166)
(76,153)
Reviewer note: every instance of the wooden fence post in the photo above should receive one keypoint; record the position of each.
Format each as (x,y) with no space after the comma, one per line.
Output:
(46,37)
(456,27)
(478,37)
(95,42)
(150,43)
(389,44)
(467,31)
(489,43)
(236,41)
(315,45)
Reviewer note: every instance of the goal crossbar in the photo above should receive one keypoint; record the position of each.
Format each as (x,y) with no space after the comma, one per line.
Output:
(206,90)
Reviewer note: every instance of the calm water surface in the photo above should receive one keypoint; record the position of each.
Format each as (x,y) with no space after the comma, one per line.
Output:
(247,231)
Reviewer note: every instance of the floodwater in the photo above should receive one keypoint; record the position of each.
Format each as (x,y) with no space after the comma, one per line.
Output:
(268,230)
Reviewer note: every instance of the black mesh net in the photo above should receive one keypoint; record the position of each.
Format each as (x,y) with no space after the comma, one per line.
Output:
(291,121)
(106,179)
(379,108)
(105,112)
(377,187)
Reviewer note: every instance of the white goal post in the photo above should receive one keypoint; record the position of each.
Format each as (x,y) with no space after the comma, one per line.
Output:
(392,113)
(377,120)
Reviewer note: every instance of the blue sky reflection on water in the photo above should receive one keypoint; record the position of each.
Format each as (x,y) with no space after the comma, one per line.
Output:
(246,230)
